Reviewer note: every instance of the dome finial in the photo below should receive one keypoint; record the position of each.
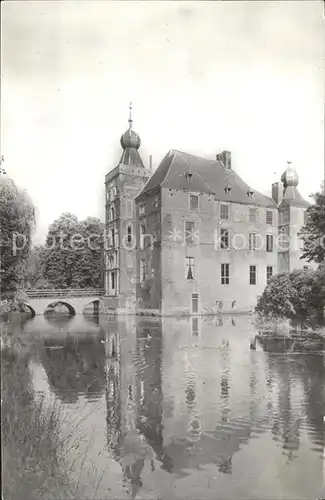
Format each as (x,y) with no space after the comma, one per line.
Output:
(130,116)
(290,176)
(130,139)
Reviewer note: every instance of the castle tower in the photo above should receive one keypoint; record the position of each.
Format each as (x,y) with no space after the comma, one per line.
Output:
(292,217)
(122,184)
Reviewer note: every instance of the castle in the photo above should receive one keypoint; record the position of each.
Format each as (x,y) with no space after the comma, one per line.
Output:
(192,237)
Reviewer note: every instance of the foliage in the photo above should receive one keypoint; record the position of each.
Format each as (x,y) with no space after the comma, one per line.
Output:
(313,232)
(277,298)
(72,254)
(32,269)
(33,447)
(299,296)
(17,215)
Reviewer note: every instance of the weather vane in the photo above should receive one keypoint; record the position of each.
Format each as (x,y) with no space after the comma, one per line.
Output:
(130,115)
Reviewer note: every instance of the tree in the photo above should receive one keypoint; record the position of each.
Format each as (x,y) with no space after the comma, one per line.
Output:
(87,272)
(32,269)
(299,296)
(72,253)
(312,233)
(278,298)
(17,216)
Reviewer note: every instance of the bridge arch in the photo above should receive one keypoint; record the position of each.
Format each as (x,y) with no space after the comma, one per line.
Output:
(31,310)
(70,308)
(96,304)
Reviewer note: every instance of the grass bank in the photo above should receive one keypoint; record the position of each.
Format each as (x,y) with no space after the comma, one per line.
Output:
(34,446)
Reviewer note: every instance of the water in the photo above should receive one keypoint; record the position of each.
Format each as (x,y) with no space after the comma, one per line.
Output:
(181,408)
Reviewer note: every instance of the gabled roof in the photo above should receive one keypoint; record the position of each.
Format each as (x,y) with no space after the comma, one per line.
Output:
(208,176)
(292,197)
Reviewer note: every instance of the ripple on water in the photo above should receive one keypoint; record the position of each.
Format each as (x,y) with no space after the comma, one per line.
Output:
(194,404)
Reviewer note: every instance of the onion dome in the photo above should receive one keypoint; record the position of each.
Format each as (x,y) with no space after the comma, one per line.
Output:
(290,177)
(130,139)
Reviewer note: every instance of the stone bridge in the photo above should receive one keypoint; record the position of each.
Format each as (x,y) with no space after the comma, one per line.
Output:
(76,301)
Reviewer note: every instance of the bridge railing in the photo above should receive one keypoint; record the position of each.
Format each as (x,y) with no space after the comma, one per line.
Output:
(64,292)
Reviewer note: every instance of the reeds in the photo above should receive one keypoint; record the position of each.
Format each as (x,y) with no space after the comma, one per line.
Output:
(34,446)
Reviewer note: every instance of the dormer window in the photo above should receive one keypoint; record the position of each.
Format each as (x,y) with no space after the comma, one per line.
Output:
(188,176)
(228,189)
(250,193)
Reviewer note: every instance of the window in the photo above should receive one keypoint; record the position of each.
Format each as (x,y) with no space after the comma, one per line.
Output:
(194,203)
(269,242)
(129,208)
(269,217)
(195,303)
(189,232)
(189,268)
(129,236)
(224,212)
(224,239)
(113,237)
(252,241)
(156,202)
(305,268)
(269,273)
(225,274)
(111,261)
(142,271)
(113,281)
(112,213)
(252,275)
(142,209)
(252,215)
(142,235)
(112,193)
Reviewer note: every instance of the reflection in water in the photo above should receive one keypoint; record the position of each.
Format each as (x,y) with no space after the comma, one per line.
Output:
(75,368)
(195,325)
(113,392)
(60,320)
(174,405)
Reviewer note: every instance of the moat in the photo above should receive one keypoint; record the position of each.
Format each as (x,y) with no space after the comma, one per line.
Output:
(177,408)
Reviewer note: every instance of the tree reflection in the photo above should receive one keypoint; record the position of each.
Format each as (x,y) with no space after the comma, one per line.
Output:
(309,369)
(74,368)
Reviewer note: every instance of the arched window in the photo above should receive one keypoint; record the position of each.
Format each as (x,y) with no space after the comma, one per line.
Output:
(129,234)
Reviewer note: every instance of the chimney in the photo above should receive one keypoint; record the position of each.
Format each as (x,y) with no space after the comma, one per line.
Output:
(277,192)
(225,158)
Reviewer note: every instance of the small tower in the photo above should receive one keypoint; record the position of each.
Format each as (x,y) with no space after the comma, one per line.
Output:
(291,219)
(122,184)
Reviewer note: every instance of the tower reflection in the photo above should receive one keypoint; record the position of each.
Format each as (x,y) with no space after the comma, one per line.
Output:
(149,396)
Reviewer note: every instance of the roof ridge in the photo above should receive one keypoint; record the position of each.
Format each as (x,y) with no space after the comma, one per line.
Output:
(198,157)
(172,154)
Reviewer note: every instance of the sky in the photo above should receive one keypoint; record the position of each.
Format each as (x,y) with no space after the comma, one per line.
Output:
(202,76)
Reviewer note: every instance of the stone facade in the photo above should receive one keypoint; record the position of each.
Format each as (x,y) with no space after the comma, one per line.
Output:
(193,238)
